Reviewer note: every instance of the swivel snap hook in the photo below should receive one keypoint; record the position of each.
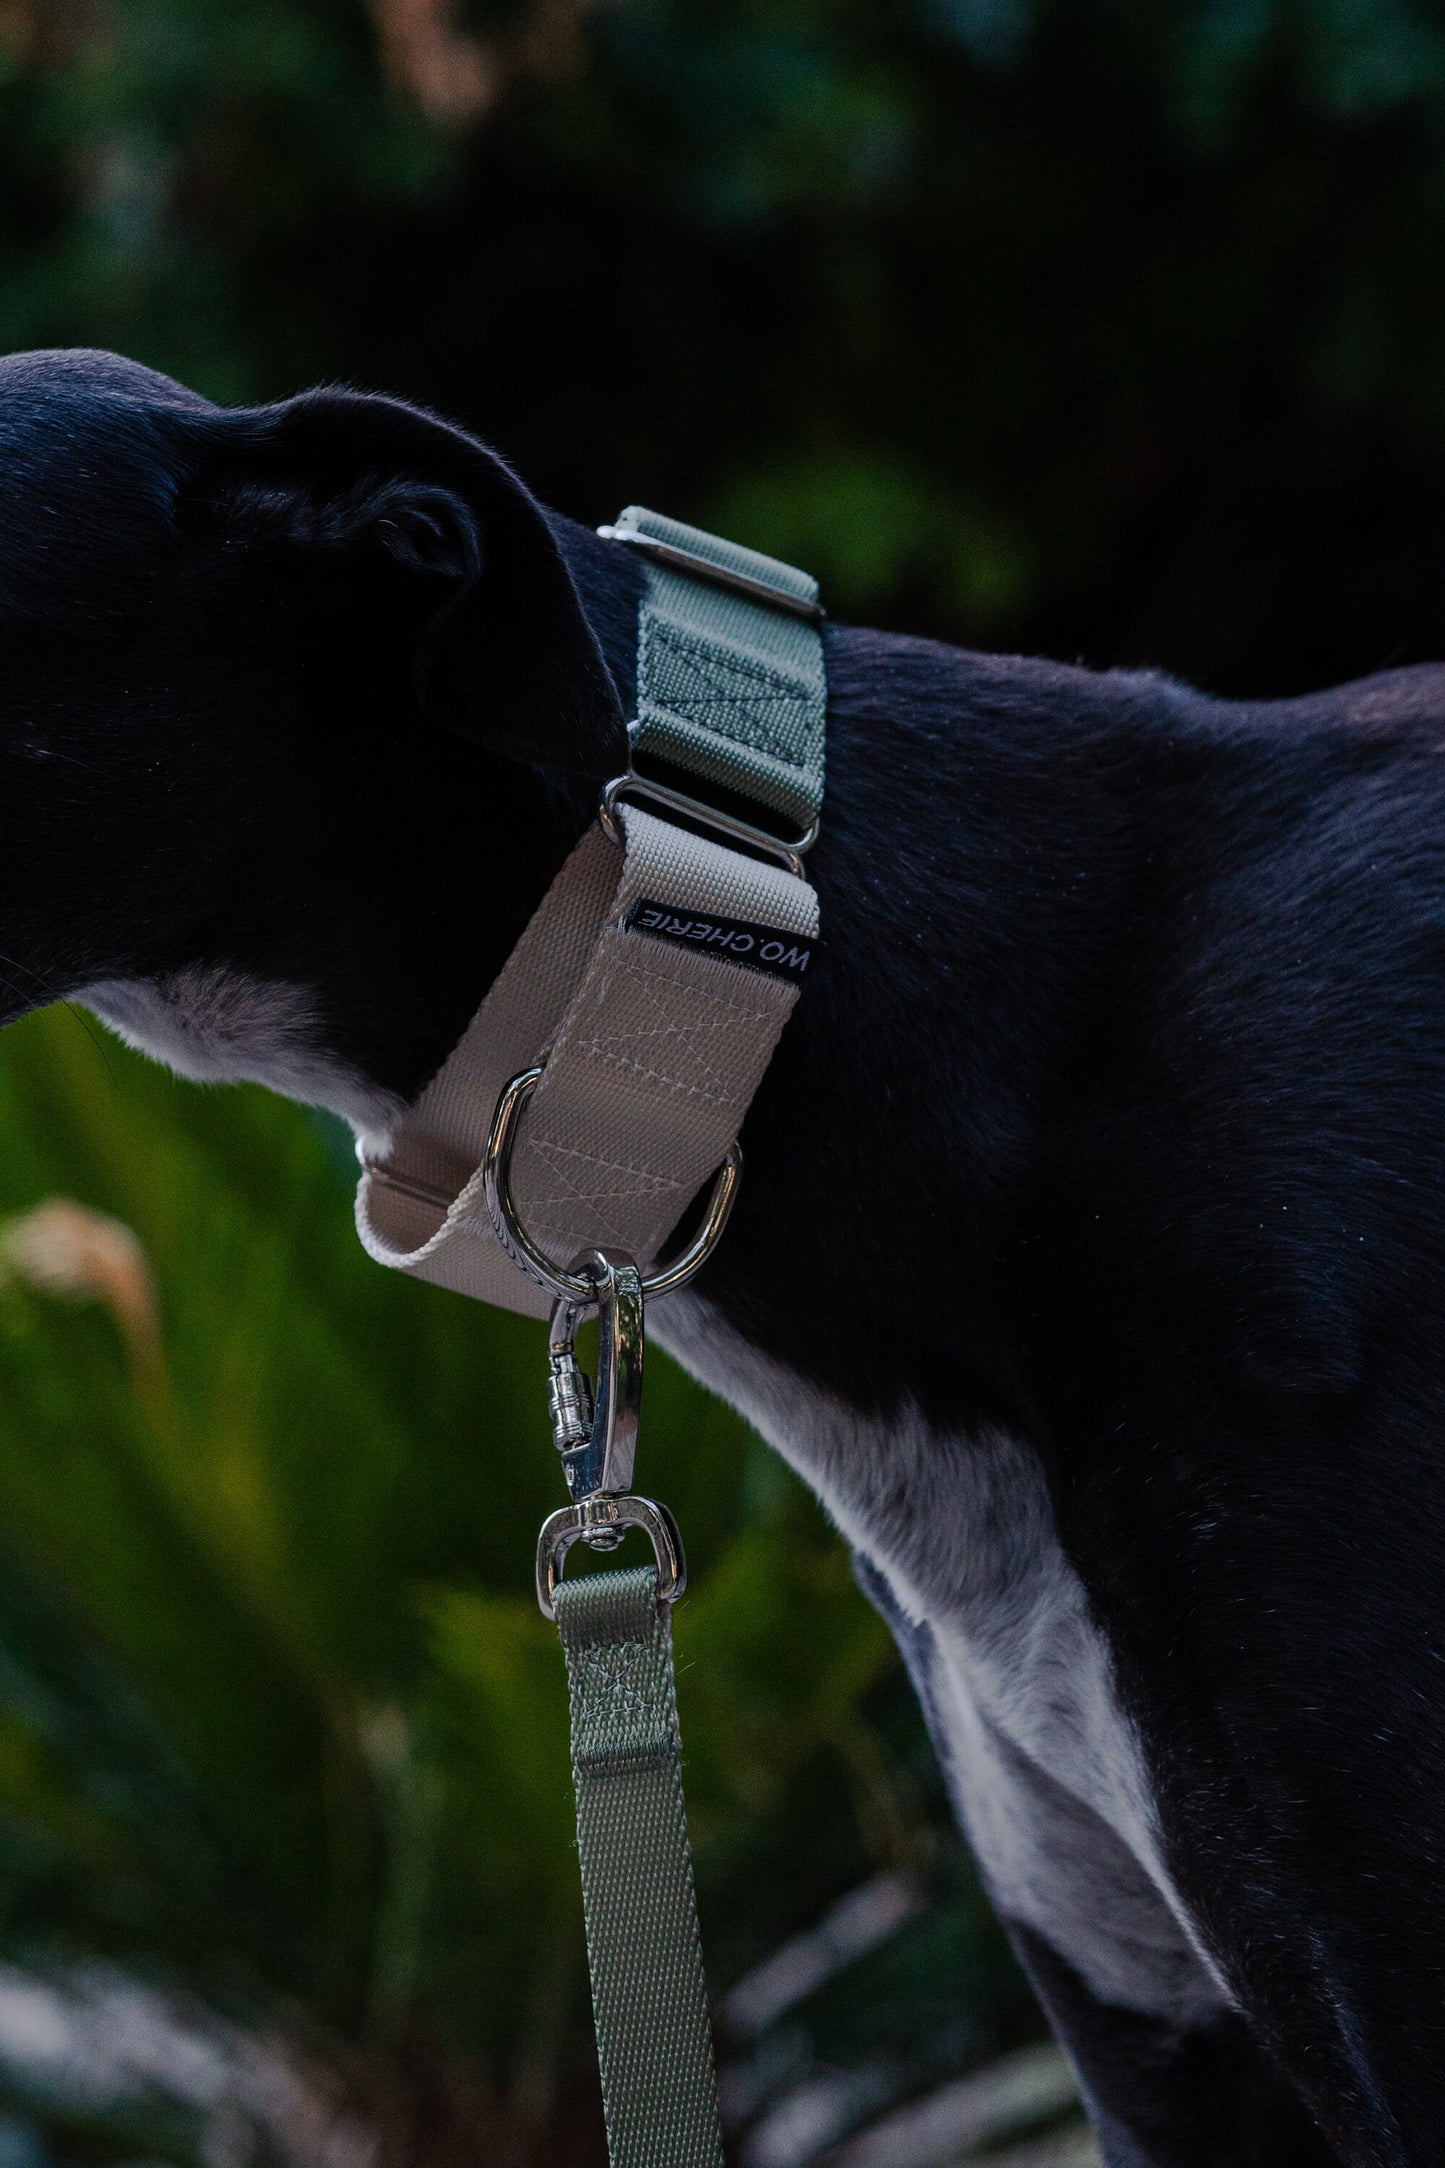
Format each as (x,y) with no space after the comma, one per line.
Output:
(595,1431)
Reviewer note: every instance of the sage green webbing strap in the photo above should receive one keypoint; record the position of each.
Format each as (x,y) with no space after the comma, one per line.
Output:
(648,1993)
(730,689)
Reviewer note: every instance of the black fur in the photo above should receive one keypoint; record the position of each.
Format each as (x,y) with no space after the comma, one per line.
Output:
(1115,1113)
(1200,2099)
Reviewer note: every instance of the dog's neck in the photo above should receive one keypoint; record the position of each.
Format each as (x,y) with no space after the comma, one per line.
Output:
(978,849)
(979,843)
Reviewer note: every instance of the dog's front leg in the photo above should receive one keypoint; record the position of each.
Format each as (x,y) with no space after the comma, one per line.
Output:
(956,1545)
(1171,2096)
(1171,2074)
(1271,1593)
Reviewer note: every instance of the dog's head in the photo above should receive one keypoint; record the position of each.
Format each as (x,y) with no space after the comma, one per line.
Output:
(288,698)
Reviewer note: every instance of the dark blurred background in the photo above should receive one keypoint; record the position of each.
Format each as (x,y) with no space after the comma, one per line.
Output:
(1102,329)
(1105,330)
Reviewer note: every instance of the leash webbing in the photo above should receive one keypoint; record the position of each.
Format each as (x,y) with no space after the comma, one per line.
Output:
(649,1998)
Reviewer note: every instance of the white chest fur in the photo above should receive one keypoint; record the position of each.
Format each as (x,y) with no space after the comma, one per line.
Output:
(1044,1765)
(220,1025)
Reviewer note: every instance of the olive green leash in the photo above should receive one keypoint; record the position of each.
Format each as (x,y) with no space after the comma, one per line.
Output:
(644,1953)
(649,1997)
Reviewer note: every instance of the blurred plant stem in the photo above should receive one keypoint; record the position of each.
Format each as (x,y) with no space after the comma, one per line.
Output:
(65,1249)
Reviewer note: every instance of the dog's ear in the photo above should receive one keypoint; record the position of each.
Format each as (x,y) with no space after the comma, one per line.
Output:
(504,654)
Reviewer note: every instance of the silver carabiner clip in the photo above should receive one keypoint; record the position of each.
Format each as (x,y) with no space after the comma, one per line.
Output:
(595,1429)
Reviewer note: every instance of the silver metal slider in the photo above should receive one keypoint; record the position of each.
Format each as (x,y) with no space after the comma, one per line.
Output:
(703,568)
(788,850)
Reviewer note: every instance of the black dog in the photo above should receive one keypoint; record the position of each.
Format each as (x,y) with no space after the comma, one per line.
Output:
(1091,1260)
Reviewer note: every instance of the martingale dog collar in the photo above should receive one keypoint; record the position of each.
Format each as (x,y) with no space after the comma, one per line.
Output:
(654,979)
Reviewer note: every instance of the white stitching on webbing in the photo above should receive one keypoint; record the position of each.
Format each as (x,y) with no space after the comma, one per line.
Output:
(644,1057)
(640,1182)
(720,1097)
(724,1015)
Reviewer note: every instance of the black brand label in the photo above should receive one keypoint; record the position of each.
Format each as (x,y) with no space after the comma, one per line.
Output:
(762,948)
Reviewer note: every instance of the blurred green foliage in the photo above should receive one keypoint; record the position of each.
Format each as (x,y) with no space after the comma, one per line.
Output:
(280,1722)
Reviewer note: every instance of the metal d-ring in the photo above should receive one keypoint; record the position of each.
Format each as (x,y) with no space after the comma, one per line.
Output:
(573,1286)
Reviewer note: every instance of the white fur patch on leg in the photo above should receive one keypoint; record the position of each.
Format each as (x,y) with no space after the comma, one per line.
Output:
(1046,1769)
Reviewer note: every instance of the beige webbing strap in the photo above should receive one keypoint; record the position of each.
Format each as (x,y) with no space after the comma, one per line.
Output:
(654,1043)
